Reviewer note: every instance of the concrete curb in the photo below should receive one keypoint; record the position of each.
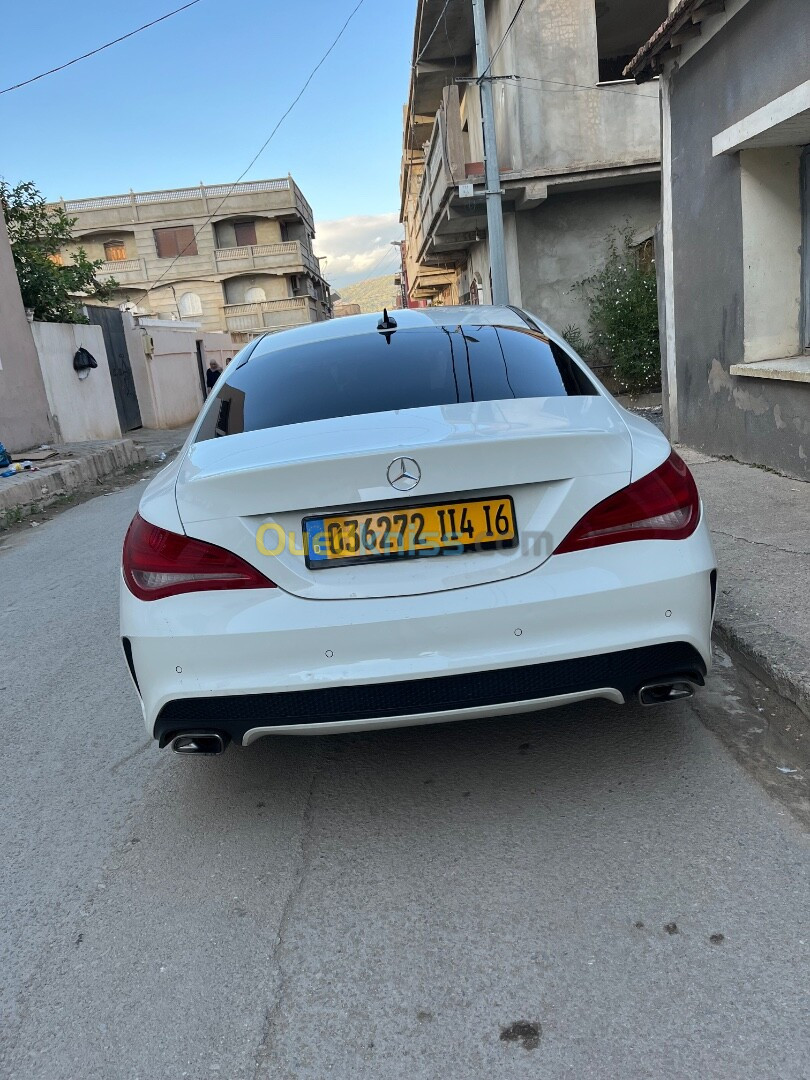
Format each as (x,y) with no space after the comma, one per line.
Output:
(39,489)
(760,657)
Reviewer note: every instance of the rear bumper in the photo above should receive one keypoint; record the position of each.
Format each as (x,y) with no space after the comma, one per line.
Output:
(586,624)
(616,676)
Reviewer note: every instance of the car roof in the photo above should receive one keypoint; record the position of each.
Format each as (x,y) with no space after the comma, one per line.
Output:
(405,318)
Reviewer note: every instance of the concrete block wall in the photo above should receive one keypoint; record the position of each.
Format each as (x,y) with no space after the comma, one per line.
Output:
(163,356)
(565,240)
(219,347)
(82,408)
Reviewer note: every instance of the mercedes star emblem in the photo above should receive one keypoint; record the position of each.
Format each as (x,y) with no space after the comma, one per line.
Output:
(404,474)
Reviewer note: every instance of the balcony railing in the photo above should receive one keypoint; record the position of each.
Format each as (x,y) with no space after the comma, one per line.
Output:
(291,256)
(216,200)
(216,191)
(123,269)
(271,314)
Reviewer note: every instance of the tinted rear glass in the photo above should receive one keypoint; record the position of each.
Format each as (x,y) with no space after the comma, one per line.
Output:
(376,372)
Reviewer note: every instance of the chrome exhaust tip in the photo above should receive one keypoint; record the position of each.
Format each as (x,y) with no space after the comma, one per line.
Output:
(662,693)
(206,742)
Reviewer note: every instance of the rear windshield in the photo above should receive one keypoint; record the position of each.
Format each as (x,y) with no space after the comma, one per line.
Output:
(378,372)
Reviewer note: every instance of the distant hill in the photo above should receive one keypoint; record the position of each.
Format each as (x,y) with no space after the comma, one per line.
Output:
(372,295)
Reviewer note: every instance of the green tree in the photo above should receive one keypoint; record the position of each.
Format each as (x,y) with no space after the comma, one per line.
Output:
(37,233)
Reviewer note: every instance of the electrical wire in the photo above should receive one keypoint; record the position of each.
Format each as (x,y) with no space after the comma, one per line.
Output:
(261,150)
(432,33)
(445,146)
(578,86)
(500,45)
(101,48)
(391,251)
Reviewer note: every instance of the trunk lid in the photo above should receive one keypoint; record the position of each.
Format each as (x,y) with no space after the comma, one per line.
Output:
(555,458)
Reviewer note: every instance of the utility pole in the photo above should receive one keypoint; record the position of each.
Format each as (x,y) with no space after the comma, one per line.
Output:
(497,248)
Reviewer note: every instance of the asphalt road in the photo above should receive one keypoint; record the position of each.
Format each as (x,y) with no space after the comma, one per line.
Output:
(589,893)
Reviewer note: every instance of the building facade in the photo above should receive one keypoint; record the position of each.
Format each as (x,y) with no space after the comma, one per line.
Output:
(578,149)
(231,257)
(735,230)
(25,417)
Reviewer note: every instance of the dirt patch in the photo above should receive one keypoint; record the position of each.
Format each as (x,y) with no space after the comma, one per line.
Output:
(525,1032)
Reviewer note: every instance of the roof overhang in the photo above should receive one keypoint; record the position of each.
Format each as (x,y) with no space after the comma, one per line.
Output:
(682,24)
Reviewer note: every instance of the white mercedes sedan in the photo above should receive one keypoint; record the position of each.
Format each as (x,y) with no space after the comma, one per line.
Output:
(429,516)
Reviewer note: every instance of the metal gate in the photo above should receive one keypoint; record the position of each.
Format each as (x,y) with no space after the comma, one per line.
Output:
(111,322)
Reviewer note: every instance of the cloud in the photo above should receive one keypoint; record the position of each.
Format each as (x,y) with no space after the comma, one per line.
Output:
(358,247)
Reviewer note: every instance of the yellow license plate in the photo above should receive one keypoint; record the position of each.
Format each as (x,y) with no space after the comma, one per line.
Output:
(409,532)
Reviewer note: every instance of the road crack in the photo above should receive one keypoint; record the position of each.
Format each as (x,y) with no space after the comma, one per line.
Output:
(759,543)
(139,750)
(304,862)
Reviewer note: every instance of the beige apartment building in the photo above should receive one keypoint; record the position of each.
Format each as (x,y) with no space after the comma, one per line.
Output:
(235,257)
(578,149)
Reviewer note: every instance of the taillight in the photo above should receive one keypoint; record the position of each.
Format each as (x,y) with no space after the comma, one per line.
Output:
(663,505)
(159,563)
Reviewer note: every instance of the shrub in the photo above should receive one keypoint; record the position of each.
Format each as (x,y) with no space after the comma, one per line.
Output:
(623,302)
(576,339)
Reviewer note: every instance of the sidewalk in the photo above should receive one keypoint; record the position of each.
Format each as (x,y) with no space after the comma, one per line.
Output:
(78,466)
(760,524)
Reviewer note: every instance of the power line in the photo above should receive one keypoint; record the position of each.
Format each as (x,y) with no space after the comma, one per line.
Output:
(377,265)
(432,32)
(101,48)
(431,35)
(579,86)
(262,148)
(500,45)
(455,67)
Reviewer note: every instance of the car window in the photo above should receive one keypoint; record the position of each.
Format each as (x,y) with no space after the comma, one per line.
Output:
(382,372)
(513,362)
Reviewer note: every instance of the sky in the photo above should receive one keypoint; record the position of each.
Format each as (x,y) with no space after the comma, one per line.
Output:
(193,98)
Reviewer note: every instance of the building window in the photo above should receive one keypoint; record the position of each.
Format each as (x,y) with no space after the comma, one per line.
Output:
(115,251)
(174,241)
(190,304)
(245,232)
(256,295)
(620,32)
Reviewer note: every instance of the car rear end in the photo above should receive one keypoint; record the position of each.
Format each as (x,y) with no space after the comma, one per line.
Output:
(380,527)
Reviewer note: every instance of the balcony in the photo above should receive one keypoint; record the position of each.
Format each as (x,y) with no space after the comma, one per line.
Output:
(441,222)
(123,270)
(612,139)
(272,315)
(287,258)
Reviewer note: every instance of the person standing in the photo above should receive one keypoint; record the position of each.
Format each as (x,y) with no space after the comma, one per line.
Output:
(211,376)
